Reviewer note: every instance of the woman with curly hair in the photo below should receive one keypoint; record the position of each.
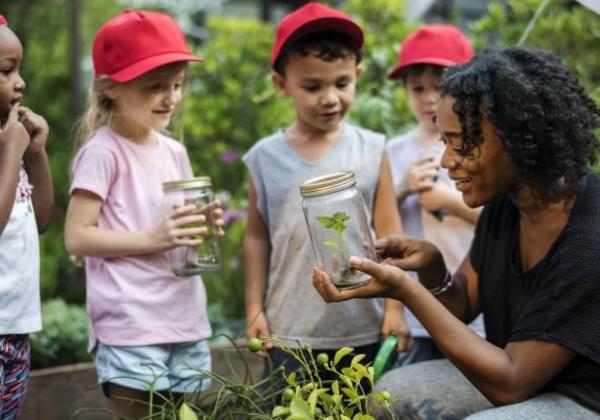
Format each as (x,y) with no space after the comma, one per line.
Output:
(519,137)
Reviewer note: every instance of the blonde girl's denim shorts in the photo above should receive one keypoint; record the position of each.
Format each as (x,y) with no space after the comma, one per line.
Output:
(175,367)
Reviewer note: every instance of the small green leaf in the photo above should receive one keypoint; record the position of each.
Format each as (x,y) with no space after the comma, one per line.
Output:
(186,413)
(360,416)
(357,359)
(300,410)
(332,244)
(335,387)
(280,411)
(291,379)
(350,393)
(341,353)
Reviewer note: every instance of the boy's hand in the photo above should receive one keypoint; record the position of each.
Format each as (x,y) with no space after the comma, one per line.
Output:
(394,323)
(13,133)
(36,126)
(258,327)
(437,197)
(423,174)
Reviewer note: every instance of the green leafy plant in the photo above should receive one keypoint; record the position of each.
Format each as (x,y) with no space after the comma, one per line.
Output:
(308,397)
(337,224)
(305,396)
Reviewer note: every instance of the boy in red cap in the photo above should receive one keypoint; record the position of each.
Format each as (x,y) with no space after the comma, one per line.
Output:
(315,63)
(148,328)
(430,207)
(26,200)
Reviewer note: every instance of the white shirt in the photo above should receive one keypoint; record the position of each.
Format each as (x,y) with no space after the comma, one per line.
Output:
(20,308)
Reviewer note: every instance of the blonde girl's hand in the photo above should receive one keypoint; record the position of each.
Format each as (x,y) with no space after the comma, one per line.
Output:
(37,127)
(13,134)
(216,214)
(183,226)
(388,281)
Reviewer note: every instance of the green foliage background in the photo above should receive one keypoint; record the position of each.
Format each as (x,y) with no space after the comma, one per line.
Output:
(231,102)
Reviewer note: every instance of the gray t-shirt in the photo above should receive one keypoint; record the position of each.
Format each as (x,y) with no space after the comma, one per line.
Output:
(294,309)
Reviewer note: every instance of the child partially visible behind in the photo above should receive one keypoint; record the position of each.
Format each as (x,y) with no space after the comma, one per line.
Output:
(26,200)
(147,325)
(430,207)
(315,63)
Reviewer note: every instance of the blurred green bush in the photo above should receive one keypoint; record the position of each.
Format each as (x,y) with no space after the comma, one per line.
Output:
(64,337)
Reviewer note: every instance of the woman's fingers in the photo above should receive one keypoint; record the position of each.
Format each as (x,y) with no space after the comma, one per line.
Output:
(367,266)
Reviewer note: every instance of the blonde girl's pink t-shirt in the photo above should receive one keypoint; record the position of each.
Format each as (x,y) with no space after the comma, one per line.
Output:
(136,300)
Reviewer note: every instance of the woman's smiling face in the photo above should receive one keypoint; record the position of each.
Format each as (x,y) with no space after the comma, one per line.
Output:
(481,173)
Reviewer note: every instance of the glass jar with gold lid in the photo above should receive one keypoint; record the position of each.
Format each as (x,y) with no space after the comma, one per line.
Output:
(337,224)
(188,261)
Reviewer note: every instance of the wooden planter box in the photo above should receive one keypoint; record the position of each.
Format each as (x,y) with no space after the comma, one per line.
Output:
(58,393)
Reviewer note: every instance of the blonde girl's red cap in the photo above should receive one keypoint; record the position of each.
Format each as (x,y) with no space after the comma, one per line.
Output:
(136,42)
(438,44)
(314,17)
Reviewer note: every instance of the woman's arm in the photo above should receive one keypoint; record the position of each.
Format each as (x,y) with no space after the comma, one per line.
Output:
(84,238)
(504,375)
(257,253)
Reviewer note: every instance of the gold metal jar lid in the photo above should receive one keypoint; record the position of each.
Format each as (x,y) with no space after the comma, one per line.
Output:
(328,183)
(187,184)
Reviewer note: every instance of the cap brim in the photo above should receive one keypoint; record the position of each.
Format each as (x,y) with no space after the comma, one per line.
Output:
(436,61)
(147,64)
(334,24)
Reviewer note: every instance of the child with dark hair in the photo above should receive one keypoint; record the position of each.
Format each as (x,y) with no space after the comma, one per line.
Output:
(26,200)
(315,60)
(519,133)
(429,207)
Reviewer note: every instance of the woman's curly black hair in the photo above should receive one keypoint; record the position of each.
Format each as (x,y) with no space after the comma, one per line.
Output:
(541,113)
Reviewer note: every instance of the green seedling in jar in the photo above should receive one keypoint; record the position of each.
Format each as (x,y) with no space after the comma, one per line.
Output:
(337,224)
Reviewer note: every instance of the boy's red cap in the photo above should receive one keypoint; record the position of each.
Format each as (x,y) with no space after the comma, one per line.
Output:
(3,21)
(314,17)
(135,42)
(439,44)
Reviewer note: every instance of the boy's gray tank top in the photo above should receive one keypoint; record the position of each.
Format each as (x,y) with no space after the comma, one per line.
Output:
(294,309)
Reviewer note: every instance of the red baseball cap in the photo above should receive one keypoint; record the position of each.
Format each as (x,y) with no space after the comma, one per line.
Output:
(135,42)
(3,21)
(314,17)
(439,44)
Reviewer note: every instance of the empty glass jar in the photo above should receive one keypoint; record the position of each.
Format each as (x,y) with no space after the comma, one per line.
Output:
(188,261)
(337,225)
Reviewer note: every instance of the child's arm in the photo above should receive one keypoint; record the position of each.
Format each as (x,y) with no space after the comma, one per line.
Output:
(443,197)
(13,143)
(38,166)
(387,222)
(257,251)
(84,238)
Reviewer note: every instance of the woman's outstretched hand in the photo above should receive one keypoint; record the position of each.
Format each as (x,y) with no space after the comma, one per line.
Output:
(388,281)
(399,253)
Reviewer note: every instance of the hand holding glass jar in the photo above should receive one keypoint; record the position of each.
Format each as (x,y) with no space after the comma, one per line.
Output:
(338,227)
(205,256)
